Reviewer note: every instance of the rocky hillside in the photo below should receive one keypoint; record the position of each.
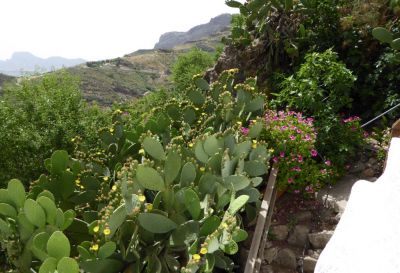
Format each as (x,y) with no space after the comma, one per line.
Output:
(22,63)
(170,40)
(145,70)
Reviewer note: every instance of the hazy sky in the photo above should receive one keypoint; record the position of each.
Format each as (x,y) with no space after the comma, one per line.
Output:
(96,29)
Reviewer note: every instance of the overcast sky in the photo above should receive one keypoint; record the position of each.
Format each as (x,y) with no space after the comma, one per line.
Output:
(96,29)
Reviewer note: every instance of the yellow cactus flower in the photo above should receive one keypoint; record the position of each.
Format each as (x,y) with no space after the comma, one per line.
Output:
(96,229)
(107,231)
(149,207)
(114,188)
(202,169)
(254,141)
(77,182)
(191,145)
(254,145)
(94,247)
(72,139)
(203,251)
(142,198)
(141,151)
(196,257)
(239,123)
(224,225)
(111,130)
(197,109)
(105,178)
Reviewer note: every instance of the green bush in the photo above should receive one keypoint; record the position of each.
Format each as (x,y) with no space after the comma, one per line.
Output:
(39,116)
(189,64)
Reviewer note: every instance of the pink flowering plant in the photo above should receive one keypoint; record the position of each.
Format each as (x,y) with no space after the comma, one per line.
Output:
(293,137)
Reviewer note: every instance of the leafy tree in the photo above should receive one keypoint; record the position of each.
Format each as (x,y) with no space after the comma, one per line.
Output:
(188,65)
(41,115)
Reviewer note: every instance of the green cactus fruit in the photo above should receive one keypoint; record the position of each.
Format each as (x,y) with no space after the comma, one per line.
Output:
(210,225)
(199,152)
(58,245)
(188,174)
(255,168)
(239,235)
(117,218)
(8,211)
(107,250)
(156,223)
(49,207)
(149,178)
(189,115)
(48,266)
(382,34)
(17,193)
(202,84)
(255,130)
(172,167)
(39,245)
(192,203)
(154,148)
(211,145)
(230,248)
(196,97)
(67,265)
(237,204)
(35,213)
(236,182)
(59,161)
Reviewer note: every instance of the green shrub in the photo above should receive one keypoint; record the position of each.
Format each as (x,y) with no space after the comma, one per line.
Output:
(39,116)
(189,64)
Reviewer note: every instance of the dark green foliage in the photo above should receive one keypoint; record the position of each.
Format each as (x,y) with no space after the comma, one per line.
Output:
(189,64)
(39,116)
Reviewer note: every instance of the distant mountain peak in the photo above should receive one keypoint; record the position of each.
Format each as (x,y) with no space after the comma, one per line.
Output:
(23,62)
(171,39)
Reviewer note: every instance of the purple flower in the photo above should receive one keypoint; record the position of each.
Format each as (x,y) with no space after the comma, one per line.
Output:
(314,153)
(365,134)
(299,158)
(292,137)
(296,191)
(290,180)
(275,159)
(328,163)
(244,130)
(282,154)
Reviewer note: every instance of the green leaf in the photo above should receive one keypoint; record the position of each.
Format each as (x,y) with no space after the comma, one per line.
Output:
(233,4)
(395,44)
(59,161)
(58,245)
(211,145)
(192,203)
(242,148)
(4,227)
(39,245)
(172,167)
(16,192)
(49,207)
(107,250)
(255,168)
(255,130)
(196,97)
(382,34)
(102,266)
(256,104)
(185,234)
(189,115)
(173,111)
(8,210)
(26,228)
(237,204)
(5,197)
(69,216)
(210,225)
(149,178)
(34,213)
(231,248)
(47,194)
(154,148)
(48,266)
(67,265)
(188,174)
(239,235)
(202,84)
(237,182)
(201,155)
(156,223)
(117,218)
